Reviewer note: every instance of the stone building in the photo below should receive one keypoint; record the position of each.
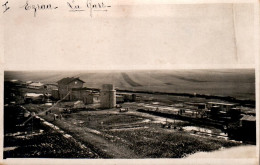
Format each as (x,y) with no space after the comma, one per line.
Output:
(76,89)
(67,84)
(55,94)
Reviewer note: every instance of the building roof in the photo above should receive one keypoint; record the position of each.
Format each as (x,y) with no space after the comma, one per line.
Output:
(78,102)
(248,118)
(51,84)
(67,80)
(119,96)
(36,84)
(33,95)
(221,103)
(190,103)
(16,81)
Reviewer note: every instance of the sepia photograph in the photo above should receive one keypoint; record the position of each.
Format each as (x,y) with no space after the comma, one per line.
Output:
(126,114)
(165,82)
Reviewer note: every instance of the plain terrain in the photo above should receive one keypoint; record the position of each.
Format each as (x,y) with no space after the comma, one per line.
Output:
(238,83)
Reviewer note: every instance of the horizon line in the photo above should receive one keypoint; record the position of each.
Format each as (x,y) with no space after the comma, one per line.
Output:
(82,70)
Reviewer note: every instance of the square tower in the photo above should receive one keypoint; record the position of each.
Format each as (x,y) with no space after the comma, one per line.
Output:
(108,96)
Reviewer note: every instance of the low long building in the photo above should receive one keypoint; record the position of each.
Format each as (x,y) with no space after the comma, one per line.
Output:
(33,97)
(36,85)
(222,106)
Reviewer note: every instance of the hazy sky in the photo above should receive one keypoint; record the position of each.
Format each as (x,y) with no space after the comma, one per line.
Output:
(131,37)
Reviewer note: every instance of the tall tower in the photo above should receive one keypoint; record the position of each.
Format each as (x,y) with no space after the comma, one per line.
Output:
(108,96)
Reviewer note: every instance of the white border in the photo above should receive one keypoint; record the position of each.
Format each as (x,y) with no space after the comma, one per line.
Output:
(147,161)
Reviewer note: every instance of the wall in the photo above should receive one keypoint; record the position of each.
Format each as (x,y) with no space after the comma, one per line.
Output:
(64,89)
(55,94)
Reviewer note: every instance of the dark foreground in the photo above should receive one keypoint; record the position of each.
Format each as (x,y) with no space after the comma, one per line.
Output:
(35,140)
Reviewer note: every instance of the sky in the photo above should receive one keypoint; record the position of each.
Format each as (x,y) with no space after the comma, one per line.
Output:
(130,36)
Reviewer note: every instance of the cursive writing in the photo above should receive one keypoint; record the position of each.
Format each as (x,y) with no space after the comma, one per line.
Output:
(96,6)
(90,4)
(36,7)
(73,5)
(5,6)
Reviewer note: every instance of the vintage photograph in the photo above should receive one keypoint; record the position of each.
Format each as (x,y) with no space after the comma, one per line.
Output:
(128,114)
(92,80)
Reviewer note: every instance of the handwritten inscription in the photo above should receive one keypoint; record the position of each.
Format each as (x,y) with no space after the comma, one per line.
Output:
(5,7)
(73,6)
(92,6)
(96,6)
(36,7)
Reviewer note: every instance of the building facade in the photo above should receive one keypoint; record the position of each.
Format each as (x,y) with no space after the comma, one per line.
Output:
(66,85)
(107,96)
(76,89)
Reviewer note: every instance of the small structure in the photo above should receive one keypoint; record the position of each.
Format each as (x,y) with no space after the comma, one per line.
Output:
(33,97)
(119,99)
(234,113)
(248,122)
(87,96)
(128,97)
(248,127)
(222,106)
(123,109)
(14,81)
(107,96)
(36,85)
(79,104)
(56,116)
(201,105)
(27,83)
(215,110)
(17,83)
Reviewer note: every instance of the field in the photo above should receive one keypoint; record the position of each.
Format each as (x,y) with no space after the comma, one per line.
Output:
(132,134)
(239,83)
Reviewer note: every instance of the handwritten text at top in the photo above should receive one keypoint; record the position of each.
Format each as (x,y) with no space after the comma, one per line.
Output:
(72,6)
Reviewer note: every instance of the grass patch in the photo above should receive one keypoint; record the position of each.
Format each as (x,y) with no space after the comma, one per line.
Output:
(149,143)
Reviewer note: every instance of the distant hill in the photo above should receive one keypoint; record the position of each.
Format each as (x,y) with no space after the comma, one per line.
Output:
(238,83)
